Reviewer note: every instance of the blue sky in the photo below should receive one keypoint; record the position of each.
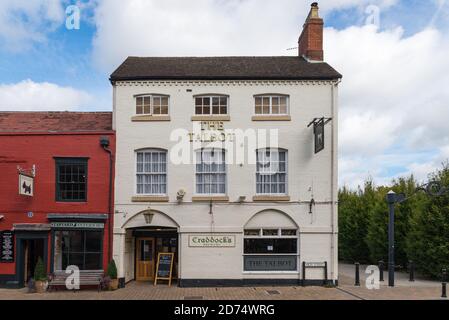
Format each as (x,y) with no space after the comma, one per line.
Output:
(61,69)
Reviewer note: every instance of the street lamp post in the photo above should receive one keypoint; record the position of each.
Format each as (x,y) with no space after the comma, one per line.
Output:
(392,199)
(432,188)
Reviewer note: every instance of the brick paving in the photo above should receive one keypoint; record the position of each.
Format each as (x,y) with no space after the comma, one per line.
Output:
(405,290)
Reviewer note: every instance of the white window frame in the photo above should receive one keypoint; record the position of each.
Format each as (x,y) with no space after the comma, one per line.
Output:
(286,172)
(211,96)
(278,236)
(225,172)
(144,151)
(152,97)
(271,96)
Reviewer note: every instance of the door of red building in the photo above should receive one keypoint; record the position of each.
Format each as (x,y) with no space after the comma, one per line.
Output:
(33,250)
(30,246)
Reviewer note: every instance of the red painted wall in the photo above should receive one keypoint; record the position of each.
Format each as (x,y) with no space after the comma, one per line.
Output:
(40,149)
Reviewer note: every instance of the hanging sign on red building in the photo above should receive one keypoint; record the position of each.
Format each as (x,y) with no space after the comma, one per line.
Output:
(26,185)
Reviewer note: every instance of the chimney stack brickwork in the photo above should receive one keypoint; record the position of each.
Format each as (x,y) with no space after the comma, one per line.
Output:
(310,43)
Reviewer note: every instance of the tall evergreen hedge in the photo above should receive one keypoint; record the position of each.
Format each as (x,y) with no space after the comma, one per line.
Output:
(421,225)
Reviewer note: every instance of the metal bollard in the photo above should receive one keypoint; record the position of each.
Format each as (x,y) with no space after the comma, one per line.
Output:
(381,270)
(443,283)
(411,266)
(357,274)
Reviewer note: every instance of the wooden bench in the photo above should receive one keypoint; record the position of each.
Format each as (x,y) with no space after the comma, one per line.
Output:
(87,278)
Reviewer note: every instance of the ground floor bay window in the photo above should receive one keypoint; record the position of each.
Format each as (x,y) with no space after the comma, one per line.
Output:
(82,248)
(270,250)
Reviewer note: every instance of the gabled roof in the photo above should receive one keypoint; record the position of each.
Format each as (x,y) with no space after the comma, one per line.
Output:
(223,68)
(55,121)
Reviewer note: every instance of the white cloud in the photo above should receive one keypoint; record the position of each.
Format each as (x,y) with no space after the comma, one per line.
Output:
(202,27)
(24,22)
(32,96)
(394,101)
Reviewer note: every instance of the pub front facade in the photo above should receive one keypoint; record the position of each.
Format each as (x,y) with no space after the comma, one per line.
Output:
(229,163)
(56,192)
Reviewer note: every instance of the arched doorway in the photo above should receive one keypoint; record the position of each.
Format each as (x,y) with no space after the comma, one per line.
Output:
(149,233)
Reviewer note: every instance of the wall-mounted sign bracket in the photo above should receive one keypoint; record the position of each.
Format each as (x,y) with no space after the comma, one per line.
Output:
(318,131)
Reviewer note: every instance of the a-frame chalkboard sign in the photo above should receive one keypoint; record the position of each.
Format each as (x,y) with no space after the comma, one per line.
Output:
(164,267)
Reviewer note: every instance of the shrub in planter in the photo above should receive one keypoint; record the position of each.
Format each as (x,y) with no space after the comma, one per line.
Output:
(40,276)
(112,274)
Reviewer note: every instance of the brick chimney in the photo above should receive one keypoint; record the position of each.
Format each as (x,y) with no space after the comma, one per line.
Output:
(310,42)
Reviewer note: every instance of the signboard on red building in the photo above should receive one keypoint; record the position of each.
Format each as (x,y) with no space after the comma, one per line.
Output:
(26,185)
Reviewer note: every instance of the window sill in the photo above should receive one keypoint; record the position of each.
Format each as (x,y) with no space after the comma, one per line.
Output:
(271,118)
(268,198)
(150,199)
(210,198)
(211,118)
(145,118)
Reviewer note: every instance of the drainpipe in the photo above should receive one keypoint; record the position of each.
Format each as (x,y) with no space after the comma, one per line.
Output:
(104,142)
(333,177)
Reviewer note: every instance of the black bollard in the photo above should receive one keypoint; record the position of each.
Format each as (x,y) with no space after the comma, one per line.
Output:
(443,283)
(381,270)
(357,274)
(411,266)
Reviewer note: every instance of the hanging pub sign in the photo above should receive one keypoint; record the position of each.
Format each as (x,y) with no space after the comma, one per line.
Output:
(26,185)
(318,129)
(164,267)
(318,132)
(6,246)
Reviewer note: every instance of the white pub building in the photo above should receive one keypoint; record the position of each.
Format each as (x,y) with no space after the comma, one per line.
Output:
(229,163)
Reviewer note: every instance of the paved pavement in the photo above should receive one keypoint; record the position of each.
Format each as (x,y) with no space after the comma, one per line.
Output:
(404,290)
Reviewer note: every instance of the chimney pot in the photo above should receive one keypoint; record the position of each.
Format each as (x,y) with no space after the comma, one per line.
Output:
(310,42)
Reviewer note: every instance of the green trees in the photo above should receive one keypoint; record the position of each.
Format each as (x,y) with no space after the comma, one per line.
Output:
(421,225)
(428,240)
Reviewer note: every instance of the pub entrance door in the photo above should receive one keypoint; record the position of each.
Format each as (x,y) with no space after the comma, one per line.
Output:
(145,259)
(34,249)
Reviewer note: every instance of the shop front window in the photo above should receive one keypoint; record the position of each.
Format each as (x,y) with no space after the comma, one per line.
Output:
(270,250)
(81,248)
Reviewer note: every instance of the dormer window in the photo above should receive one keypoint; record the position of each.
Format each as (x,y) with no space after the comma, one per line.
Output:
(211,105)
(152,105)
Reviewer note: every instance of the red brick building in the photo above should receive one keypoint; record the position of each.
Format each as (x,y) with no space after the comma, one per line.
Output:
(56,192)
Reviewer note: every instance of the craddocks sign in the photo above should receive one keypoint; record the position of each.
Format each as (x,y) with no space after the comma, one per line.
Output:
(207,240)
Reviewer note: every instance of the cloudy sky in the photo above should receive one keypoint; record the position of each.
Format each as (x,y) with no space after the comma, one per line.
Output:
(394,55)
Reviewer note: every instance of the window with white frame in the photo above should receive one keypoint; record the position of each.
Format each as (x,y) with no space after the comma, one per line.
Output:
(270,249)
(151,172)
(271,105)
(211,105)
(271,171)
(152,105)
(210,171)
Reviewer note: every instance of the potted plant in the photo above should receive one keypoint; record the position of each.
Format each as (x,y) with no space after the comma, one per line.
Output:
(40,276)
(112,274)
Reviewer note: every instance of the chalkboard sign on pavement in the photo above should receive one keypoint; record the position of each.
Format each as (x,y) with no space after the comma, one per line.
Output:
(164,267)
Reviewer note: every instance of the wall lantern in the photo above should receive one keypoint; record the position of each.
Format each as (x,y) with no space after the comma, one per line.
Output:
(2,217)
(148,215)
